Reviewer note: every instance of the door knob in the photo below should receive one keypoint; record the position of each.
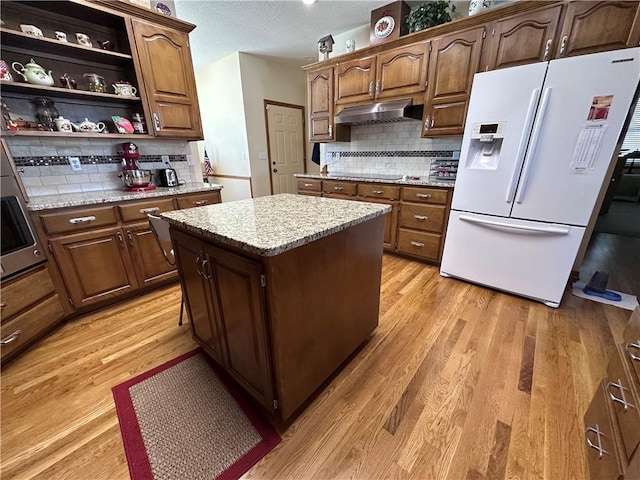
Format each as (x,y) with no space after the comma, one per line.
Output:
(275,170)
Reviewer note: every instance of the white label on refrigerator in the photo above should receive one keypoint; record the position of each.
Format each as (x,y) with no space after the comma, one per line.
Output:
(587,148)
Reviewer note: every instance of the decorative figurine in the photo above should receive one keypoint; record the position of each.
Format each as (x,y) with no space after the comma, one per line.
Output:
(325,44)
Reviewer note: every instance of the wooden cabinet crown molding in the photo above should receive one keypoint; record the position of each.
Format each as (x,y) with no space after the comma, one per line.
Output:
(483,18)
(126,8)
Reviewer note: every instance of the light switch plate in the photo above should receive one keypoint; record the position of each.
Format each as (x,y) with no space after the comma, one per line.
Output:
(262,155)
(190,160)
(76,166)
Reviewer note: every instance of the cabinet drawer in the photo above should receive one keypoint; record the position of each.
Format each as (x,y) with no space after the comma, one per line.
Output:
(134,212)
(599,439)
(198,199)
(623,401)
(631,345)
(24,291)
(22,329)
(342,188)
(423,217)
(309,185)
(378,191)
(424,245)
(78,219)
(425,195)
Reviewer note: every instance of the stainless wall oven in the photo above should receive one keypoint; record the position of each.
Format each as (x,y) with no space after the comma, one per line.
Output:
(19,248)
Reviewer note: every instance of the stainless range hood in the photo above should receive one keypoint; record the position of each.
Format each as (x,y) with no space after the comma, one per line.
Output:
(396,111)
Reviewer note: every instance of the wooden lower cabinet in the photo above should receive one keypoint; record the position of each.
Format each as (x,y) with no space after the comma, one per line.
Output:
(30,307)
(150,266)
(95,265)
(281,325)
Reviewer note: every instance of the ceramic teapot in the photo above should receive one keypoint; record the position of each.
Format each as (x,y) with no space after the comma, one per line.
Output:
(124,89)
(34,73)
(63,124)
(90,127)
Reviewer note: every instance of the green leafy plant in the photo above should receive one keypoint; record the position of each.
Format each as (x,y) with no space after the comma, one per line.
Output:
(430,14)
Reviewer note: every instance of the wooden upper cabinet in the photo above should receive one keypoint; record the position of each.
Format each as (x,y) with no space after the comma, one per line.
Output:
(169,81)
(591,27)
(402,71)
(521,39)
(320,101)
(355,81)
(455,59)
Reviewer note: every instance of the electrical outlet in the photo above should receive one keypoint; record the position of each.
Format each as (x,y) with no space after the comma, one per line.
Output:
(456,155)
(165,160)
(76,166)
(190,160)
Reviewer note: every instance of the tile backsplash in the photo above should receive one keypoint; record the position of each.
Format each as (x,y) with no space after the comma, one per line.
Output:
(388,148)
(44,167)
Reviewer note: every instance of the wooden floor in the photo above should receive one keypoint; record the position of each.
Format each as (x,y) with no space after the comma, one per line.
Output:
(457,382)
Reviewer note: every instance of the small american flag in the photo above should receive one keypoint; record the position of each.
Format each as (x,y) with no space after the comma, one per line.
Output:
(208,170)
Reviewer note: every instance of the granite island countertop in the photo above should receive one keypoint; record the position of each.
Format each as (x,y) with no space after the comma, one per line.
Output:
(271,225)
(393,179)
(49,202)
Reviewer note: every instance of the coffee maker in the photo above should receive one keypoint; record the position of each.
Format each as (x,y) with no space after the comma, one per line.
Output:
(135,179)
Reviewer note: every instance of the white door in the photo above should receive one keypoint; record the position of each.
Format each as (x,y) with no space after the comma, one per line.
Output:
(531,259)
(286,146)
(509,96)
(587,99)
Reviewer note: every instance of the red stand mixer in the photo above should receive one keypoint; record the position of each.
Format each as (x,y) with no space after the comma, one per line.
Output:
(135,179)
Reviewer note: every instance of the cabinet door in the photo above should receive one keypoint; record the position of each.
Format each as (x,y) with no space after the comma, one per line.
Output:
(355,81)
(390,223)
(240,304)
(95,265)
(402,71)
(146,255)
(522,39)
(454,61)
(320,100)
(170,86)
(591,27)
(197,296)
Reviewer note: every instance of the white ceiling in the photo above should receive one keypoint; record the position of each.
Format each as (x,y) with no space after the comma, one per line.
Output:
(289,30)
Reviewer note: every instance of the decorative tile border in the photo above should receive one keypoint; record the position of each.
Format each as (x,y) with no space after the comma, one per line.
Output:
(395,153)
(88,160)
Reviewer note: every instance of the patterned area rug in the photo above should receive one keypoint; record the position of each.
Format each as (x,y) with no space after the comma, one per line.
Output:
(183,421)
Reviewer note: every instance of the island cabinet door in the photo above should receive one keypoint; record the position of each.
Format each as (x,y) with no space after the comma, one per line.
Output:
(95,265)
(205,327)
(239,299)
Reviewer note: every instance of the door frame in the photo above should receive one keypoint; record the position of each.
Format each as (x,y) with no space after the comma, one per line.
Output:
(266,126)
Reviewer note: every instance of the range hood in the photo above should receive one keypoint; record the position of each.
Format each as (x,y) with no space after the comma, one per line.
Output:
(396,111)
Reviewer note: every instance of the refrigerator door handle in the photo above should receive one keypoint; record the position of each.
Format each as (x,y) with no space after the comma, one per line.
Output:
(535,136)
(493,223)
(522,147)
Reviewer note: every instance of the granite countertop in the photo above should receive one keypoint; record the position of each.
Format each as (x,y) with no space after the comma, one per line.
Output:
(48,202)
(271,225)
(364,177)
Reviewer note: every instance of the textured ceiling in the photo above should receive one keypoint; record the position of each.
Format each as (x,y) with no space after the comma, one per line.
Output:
(289,30)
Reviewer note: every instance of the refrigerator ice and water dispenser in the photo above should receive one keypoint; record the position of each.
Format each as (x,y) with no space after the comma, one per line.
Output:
(485,145)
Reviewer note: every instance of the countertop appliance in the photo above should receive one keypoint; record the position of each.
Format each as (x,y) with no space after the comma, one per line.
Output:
(134,178)
(167,177)
(20,248)
(537,146)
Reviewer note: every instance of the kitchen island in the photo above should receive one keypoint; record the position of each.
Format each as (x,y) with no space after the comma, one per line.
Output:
(280,290)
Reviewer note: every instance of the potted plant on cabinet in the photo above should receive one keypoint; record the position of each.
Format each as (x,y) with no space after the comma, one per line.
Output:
(430,14)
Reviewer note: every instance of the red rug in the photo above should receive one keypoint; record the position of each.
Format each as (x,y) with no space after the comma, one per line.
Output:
(185,420)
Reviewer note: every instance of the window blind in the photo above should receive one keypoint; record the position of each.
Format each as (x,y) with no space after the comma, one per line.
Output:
(632,138)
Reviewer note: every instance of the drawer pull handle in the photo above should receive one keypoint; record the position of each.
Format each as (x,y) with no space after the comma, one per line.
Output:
(421,217)
(149,210)
(198,265)
(2,305)
(130,237)
(338,188)
(378,192)
(120,238)
(77,220)
(622,400)
(599,435)
(200,202)
(417,244)
(204,271)
(636,345)
(11,338)
(423,195)
(308,184)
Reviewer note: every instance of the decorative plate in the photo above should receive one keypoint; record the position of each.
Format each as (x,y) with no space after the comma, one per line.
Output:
(162,8)
(384,27)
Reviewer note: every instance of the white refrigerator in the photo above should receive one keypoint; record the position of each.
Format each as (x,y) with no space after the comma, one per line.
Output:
(537,145)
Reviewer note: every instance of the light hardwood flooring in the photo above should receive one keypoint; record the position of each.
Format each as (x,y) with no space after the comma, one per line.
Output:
(457,382)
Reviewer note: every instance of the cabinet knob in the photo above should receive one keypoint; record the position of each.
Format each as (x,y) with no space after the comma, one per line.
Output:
(11,338)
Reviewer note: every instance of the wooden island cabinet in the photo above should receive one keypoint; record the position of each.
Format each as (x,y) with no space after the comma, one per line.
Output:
(281,290)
